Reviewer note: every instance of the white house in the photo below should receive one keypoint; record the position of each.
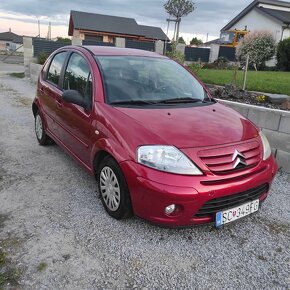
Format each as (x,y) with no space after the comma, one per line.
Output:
(270,15)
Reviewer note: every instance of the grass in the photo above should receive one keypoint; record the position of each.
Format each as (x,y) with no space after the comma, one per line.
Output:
(8,274)
(19,75)
(262,81)
(41,267)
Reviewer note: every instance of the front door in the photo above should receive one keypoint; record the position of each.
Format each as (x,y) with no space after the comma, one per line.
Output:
(75,120)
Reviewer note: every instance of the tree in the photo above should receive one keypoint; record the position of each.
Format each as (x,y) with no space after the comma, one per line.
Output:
(260,45)
(283,54)
(178,9)
(62,39)
(196,41)
(181,40)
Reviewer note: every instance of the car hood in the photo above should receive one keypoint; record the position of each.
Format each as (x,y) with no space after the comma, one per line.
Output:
(190,127)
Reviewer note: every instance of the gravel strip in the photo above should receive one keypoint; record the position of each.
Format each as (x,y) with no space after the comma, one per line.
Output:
(57,233)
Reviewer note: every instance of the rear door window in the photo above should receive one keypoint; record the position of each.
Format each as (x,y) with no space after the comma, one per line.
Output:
(53,74)
(78,77)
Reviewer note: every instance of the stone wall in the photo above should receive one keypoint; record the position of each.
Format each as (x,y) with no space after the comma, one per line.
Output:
(274,123)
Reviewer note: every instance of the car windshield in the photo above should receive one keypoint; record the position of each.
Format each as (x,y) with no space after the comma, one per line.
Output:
(147,81)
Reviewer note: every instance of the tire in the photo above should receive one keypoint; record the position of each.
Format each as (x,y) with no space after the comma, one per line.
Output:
(113,189)
(41,136)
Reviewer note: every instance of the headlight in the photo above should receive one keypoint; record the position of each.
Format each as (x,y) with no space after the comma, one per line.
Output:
(166,158)
(266,146)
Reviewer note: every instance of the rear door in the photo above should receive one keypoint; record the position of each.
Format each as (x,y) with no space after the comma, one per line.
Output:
(49,92)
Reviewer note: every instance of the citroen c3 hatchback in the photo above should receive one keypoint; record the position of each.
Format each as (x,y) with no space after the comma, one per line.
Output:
(159,145)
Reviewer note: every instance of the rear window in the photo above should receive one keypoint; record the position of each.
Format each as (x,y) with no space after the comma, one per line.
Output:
(55,67)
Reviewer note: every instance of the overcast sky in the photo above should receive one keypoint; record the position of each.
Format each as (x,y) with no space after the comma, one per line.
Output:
(209,16)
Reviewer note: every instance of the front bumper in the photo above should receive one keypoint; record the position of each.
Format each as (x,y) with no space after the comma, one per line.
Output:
(151,191)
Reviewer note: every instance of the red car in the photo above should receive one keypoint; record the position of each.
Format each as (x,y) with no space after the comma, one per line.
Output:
(159,145)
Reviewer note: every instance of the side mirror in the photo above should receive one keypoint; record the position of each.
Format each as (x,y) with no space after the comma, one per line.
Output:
(75,97)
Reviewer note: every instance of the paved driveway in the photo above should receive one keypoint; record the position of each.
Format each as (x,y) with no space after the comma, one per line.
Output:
(56,234)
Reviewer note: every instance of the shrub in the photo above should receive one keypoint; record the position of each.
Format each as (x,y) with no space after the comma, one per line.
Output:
(42,57)
(195,67)
(260,45)
(174,54)
(283,54)
(221,62)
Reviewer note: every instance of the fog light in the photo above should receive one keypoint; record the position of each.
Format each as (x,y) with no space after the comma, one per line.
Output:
(170,209)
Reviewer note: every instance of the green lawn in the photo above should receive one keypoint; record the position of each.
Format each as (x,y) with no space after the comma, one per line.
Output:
(262,81)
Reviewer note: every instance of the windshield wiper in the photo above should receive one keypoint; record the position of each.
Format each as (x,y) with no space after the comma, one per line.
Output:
(166,101)
(179,100)
(133,102)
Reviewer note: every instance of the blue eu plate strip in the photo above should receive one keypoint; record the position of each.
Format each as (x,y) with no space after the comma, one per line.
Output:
(218,219)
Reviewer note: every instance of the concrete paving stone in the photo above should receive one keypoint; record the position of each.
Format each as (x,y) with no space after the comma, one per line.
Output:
(277,98)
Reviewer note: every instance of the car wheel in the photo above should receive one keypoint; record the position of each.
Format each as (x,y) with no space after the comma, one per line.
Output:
(113,189)
(41,136)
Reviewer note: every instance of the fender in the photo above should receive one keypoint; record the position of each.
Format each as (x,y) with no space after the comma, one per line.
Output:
(111,147)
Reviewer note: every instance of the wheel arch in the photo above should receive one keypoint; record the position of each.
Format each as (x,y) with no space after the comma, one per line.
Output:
(35,108)
(105,147)
(99,156)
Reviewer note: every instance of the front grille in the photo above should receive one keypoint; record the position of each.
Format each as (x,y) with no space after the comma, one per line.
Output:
(226,202)
(219,160)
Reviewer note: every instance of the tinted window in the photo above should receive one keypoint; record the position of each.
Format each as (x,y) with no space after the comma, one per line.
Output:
(78,76)
(55,67)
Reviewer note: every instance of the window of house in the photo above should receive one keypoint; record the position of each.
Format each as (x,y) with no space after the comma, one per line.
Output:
(54,71)
(78,77)
(94,38)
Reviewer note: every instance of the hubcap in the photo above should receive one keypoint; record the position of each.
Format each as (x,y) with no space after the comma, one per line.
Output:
(110,188)
(38,127)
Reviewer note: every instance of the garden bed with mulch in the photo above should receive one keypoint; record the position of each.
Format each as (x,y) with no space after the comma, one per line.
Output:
(232,93)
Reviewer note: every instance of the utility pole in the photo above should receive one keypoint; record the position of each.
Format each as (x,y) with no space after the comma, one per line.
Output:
(38,27)
(49,29)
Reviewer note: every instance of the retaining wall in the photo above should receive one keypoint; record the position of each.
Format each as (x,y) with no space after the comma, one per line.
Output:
(274,123)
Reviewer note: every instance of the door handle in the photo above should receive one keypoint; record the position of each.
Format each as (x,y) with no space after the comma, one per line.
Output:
(41,89)
(58,104)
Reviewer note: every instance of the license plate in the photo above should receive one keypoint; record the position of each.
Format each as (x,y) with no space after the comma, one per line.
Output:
(233,214)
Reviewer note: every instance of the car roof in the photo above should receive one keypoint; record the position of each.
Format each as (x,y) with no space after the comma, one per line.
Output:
(118,51)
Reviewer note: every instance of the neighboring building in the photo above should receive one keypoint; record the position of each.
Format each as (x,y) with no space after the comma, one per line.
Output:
(10,41)
(214,41)
(105,28)
(270,15)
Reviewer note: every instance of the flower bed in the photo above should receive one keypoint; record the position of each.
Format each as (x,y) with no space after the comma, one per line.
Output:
(232,93)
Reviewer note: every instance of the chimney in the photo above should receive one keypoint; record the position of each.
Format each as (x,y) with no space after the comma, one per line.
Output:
(9,29)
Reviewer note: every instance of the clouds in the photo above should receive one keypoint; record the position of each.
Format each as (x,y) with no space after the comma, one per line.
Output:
(209,16)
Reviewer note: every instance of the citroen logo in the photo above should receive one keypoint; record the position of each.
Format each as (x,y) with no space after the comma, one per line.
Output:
(239,159)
